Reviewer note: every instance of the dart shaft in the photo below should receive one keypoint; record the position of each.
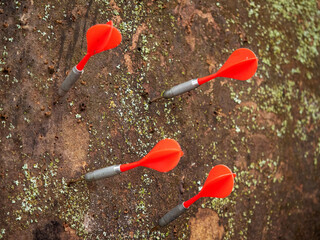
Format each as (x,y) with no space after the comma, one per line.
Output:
(172,215)
(128,166)
(188,203)
(72,77)
(83,62)
(181,88)
(103,173)
(207,78)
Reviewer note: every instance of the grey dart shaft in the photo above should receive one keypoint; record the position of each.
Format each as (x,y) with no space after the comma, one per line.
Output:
(103,173)
(181,88)
(72,77)
(172,215)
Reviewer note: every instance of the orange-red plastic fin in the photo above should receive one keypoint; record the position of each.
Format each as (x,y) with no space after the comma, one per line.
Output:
(102,37)
(220,187)
(219,182)
(166,143)
(241,65)
(241,71)
(164,156)
(162,160)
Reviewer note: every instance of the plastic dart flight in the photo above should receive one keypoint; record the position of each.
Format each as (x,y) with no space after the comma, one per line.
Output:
(100,37)
(219,184)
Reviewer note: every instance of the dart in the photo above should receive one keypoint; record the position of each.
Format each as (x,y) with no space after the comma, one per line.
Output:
(163,157)
(219,184)
(100,37)
(241,65)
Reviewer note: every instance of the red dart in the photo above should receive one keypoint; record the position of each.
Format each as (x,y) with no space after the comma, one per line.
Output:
(219,184)
(163,158)
(100,37)
(241,65)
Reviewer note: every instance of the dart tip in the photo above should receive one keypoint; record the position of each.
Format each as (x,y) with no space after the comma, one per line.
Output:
(155,228)
(74,181)
(155,99)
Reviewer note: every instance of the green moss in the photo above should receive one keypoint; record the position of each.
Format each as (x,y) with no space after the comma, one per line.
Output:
(277,44)
(37,192)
